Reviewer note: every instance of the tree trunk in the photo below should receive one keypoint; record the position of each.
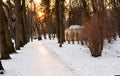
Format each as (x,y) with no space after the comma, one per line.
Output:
(8,39)
(38,30)
(57,7)
(4,50)
(25,23)
(1,68)
(19,26)
(8,23)
(61,16)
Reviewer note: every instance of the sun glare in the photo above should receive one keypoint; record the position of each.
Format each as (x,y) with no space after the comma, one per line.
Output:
(4,0)
(40,14)
(37,1)
(67,1)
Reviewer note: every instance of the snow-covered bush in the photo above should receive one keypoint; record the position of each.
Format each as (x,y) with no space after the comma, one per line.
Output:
(76,27)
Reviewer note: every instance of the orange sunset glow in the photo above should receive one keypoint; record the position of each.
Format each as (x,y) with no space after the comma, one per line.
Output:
(37,1)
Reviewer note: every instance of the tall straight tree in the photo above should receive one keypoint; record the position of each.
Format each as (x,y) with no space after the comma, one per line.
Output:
(59,6)
(19,25)
(8,23)
(9,11)
(61,16)
(1,34)
(25,23)
(4,47)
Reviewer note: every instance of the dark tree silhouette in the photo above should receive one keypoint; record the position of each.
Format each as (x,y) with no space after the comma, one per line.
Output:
(1,68)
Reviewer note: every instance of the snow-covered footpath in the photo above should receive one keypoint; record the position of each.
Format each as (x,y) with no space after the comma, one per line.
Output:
(78,58)
(35,60)
(44,58)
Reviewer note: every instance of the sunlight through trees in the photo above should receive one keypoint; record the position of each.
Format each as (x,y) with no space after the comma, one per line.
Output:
(23,21)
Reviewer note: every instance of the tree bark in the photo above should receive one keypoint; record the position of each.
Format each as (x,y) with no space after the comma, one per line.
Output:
(8,39)
(8,23)
(61,16)
(4,50)
(19,26)
(25,23)
(57,7)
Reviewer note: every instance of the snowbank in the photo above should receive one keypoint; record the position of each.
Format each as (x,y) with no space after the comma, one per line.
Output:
(76,27)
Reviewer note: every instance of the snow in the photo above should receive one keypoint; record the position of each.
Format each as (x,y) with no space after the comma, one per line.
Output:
(45,58)
(35,60)
(79,60)
(76,27)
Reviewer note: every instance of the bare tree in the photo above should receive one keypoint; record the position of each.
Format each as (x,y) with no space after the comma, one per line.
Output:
(4,49)
(20,38)
(7,30)
(94,28)
(59,6)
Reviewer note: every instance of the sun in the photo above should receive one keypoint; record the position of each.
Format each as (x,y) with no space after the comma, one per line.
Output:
(40,14)
(67,1)
(4,0)
(37,1)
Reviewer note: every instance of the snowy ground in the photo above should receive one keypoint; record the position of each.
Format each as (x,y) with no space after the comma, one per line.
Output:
(44,58)
(78,58)
(35,60)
